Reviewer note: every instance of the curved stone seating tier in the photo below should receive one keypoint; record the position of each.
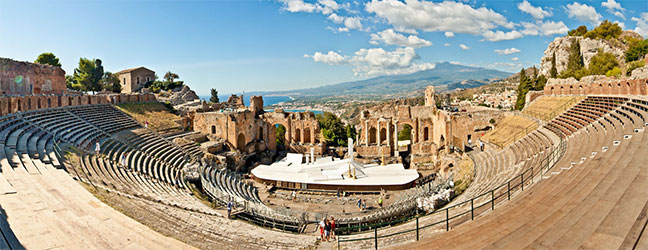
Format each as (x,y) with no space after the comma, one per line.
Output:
(595,203)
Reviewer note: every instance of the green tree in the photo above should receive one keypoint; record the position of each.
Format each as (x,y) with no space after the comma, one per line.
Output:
(633,65)
(554,71)
(332,129)
(575,65)
(350,131)
(48,58)
(581,30)
(110,82)
(405,133)
(170,76)
(616,71)
(523,89)
(539,83)
(601,63)
(214,96)
(637,51)
(89,74)
(280,134)
(606,30)
(71,84)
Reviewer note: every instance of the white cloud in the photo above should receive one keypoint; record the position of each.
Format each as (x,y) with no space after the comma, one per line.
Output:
(353,23)
(327,6)
(444,16)
(501,36)
(330,58)
(642,24)
(535,12)
(406,30)
(463,46)
(390,37)
(448,34)
(612,5)
(583,12)
(507,51)
(297,6)
(622,25)
(376,61)
(515,59)
(615,8)
(547,28)
(446,44)
(349,22)
(335,18)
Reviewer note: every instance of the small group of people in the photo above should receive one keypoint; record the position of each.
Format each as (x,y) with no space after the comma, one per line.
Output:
(327,229)
(362,204)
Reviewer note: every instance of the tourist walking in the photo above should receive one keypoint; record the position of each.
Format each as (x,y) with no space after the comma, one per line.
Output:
(322,225)
(146,124)
(364,205)
(327,230)
(123,160)
(230,204)
(293,195)
(360,204)
(380,202)
(481,145)
(332,227)
(97,148)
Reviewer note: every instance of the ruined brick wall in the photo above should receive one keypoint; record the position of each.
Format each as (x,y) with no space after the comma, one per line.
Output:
(13,104)
(597,86)
(24,78)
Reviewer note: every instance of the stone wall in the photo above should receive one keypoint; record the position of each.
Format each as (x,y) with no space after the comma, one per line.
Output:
(596,85)
(13,104)
(252,130)
(24,78)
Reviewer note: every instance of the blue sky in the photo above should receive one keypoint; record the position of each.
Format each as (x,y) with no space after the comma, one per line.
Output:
(236,46)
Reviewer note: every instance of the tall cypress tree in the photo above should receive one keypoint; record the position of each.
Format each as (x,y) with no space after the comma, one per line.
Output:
(554,71)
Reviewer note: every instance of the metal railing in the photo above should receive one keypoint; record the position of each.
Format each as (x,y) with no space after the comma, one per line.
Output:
(467,210)
(547,117)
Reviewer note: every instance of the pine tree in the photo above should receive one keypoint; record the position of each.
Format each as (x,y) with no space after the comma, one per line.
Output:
(554,71)
(575,60)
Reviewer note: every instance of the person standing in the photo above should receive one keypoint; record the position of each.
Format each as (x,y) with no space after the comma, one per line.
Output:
(327,230)
(380,201)
(97,148)
(322,225)
(360,204)
(230,205)
(332,227)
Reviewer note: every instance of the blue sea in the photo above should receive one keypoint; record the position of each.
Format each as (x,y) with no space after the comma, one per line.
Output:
(267,100)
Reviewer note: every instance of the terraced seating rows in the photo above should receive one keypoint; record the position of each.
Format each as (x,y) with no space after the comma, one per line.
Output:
(547,107)
(595,197)
(510,129)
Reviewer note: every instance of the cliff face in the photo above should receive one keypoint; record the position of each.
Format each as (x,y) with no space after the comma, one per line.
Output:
(588,48)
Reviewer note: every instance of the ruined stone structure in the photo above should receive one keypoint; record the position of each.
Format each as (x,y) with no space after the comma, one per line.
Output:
(15,104)
(134,79)
(596,85)
(24,78)
(432,130)
(253,130)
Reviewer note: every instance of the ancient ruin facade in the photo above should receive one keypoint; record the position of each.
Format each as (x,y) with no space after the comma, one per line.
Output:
(432,131)
(254,130)
(24,78)
(14,104)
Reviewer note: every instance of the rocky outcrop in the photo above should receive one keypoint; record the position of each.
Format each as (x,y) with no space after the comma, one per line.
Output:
(178,96)
(640,73)
(588,48)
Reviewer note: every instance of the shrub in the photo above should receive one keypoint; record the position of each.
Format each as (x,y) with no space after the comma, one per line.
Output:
(616,71)
(581,30)
(637,51)
(634,65)
(601,63)
(606,30)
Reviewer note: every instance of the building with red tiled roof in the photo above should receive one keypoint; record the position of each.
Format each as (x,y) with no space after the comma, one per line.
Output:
(134,79)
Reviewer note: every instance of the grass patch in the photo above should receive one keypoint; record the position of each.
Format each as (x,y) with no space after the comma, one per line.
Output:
(158,115)
(464,175)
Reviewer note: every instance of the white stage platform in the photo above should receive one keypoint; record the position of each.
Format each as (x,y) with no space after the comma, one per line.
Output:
(334,172)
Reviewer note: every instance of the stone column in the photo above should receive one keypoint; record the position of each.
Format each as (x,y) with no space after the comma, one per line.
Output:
(396,138)
(366,130)
(388,135)
(378,133)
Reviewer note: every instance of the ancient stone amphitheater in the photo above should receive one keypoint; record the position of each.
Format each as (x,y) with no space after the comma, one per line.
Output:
(568,174)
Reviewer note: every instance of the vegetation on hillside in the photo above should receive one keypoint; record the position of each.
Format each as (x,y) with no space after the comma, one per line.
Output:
(158,115)
(89,76)
(169,83)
